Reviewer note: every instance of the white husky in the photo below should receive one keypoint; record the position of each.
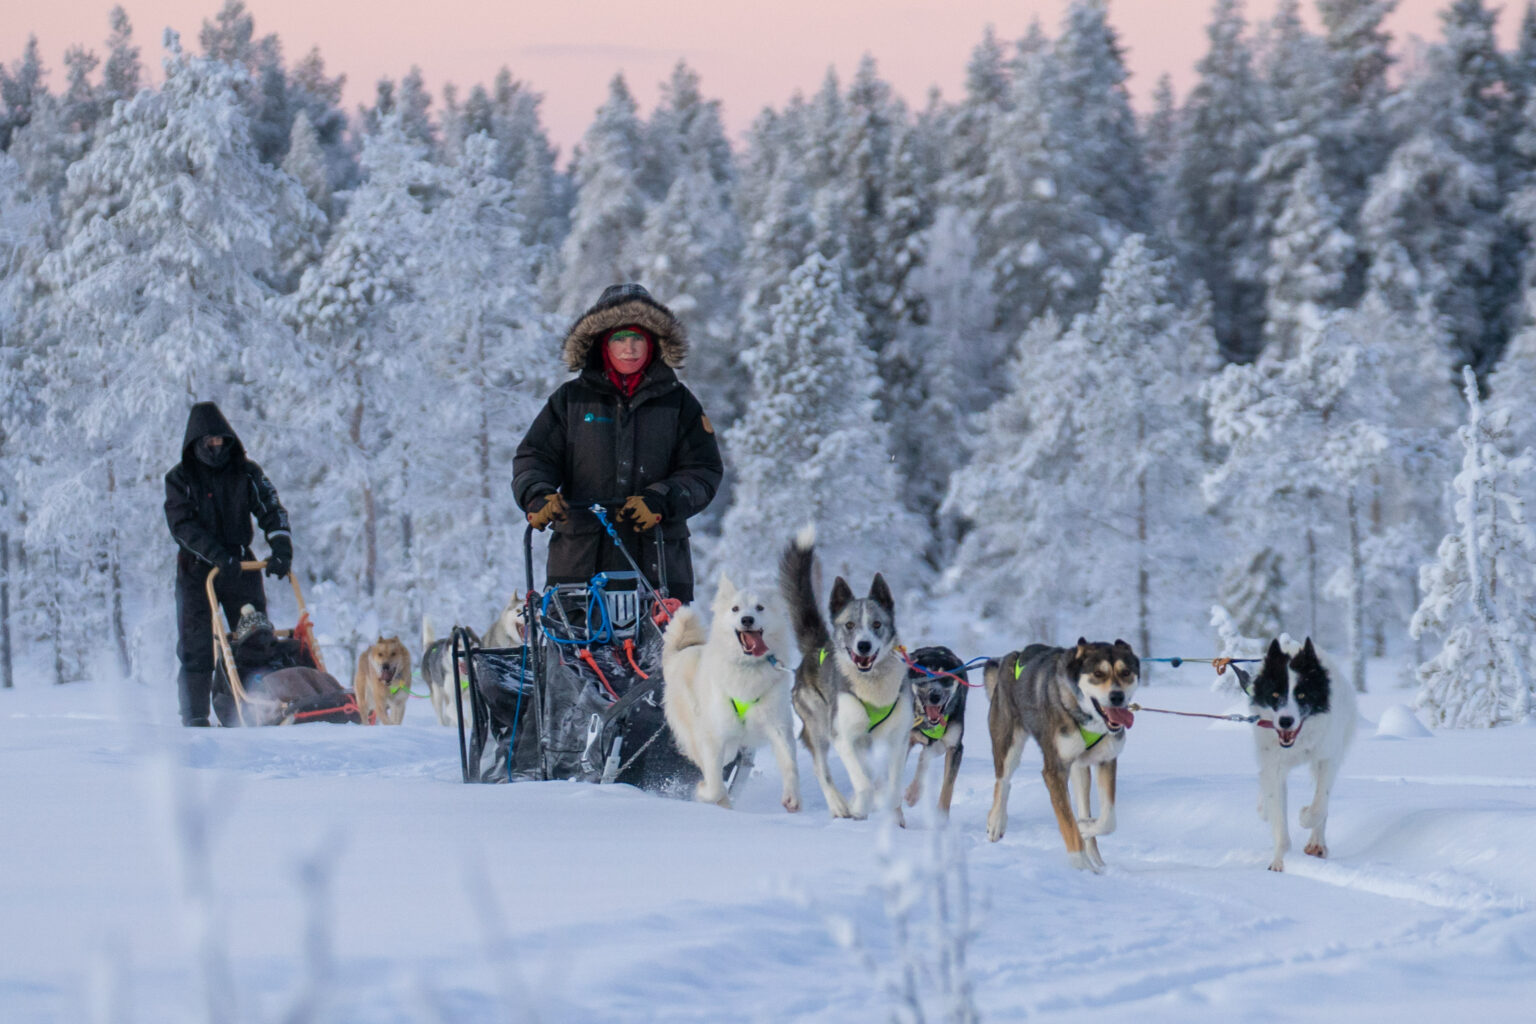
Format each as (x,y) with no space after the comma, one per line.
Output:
(726,691)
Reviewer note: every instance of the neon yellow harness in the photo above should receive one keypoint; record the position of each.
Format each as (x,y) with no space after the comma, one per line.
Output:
(742,707)
(933,732)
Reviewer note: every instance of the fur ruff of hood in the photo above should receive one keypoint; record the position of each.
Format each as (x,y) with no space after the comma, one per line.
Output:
(621,305)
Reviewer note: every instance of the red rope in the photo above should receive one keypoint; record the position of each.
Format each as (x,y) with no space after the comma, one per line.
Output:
(629,652)
(586,656)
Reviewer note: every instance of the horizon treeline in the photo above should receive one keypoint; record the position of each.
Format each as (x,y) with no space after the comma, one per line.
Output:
(1193,378)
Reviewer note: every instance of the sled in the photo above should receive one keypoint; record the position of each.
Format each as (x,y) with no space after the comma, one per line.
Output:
(581,698)
(231,696)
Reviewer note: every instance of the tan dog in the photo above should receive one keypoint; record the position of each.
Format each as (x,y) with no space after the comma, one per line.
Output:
(383,682)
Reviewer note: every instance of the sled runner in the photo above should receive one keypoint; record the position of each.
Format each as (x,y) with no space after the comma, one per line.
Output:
(273,676)
(581,698)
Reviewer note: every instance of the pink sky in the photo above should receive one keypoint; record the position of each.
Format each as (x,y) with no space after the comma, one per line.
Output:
(569,49)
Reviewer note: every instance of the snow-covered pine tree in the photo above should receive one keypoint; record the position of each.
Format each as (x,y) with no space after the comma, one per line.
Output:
(1353,134)
(1038,238)
(1093,120)
(353,311)
(305,162)
(1479,594)
(121,73)
(1223,134)
(688,250)
(477,332)
(1308,265)
(1010,555)
(1047,449)
(1251,593)
(1301,437)
(775,202)
(157,297)
(810,449)
(610,208)
(23,223)
(1430,228)
(21,87)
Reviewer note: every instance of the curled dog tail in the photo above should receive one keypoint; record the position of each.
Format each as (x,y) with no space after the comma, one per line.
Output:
(427,634)
(795,583)
(685,630)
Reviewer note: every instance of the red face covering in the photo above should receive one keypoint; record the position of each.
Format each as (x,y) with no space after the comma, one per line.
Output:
(628,383)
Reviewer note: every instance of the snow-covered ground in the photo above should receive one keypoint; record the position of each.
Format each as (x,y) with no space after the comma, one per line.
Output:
(355,879)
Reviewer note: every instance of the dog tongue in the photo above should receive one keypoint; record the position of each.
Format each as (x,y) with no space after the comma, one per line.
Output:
(1119,716)
(753,644)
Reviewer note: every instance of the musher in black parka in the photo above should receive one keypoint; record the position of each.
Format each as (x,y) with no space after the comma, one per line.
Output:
(211,496)
(624,433)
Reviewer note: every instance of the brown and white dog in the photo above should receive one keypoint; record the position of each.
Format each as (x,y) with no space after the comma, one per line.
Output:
(383,682)
(1075,702)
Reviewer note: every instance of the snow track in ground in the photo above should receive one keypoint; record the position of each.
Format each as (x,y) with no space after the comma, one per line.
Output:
(562,901)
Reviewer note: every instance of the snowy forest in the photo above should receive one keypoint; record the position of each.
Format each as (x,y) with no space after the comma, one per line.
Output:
(1248,362)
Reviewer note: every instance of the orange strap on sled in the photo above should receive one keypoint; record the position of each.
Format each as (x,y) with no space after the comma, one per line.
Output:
(629,652)
(591,662)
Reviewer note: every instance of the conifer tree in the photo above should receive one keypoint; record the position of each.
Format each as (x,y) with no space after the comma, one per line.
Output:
(610,208)
(1223,136)
(157,297)
(1480,591)
(809,439)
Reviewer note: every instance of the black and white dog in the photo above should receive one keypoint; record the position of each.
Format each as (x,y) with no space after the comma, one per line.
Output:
(938,697)
(1303,718)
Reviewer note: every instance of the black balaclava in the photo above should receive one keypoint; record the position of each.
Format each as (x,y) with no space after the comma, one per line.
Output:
(211,456)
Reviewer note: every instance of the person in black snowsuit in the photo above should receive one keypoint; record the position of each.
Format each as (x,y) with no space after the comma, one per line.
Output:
(210,497)
(626,434)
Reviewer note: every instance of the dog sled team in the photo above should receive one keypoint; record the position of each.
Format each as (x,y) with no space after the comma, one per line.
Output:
(625,435)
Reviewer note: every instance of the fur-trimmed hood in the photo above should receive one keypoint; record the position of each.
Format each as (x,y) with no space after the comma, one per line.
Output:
(622,304)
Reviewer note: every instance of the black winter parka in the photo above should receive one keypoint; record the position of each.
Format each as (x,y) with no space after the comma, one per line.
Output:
(209,510)
(594,445)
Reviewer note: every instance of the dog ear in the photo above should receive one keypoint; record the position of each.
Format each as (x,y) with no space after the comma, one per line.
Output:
(1274,654)
(880,593)
(1306,657)
(842,596)
(725,585)
(1082,647)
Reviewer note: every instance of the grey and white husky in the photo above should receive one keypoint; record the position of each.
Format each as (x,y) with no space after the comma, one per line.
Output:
(1075,703)
(851,687)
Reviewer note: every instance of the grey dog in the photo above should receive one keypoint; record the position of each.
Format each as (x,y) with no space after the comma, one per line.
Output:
(851,687)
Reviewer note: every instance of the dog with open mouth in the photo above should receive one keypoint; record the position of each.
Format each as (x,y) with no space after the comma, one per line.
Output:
(382,682)
(1075,703)
(1302,718)
(724,689)
(851,687)
(938,681)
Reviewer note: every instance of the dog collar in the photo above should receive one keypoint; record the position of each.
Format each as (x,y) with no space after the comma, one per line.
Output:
(400,686)
(933,732)
(1090,738)
(743,706)
(877,713)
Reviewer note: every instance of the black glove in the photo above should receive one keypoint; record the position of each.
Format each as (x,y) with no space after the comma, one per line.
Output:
(281,558)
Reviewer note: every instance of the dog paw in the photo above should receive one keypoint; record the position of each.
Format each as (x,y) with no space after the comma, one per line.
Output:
(1308,817)
(1278,864)
(1082,862)
(996,827)
(914,793)
(791,803)
(1316,849)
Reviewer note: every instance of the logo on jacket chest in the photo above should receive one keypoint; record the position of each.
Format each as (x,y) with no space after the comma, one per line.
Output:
(593,417)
